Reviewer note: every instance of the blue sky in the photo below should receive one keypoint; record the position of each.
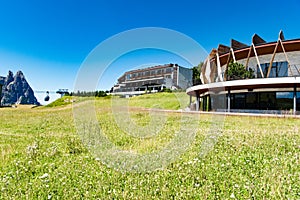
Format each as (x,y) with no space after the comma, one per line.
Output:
(49,40)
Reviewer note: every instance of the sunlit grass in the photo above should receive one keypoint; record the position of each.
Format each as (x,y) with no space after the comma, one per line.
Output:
(42,157)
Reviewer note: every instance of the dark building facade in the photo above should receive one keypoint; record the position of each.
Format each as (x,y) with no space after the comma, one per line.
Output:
(154,78)
(274,88)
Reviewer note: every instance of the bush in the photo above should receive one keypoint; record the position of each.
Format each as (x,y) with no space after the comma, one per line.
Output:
(166,90)
(237,71)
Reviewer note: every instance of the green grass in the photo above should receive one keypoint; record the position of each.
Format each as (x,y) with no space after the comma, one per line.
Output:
(68,100)
(65,100)
(157,100)
(42,157)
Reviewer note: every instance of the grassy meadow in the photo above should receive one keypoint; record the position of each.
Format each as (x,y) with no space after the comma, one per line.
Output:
(43,157)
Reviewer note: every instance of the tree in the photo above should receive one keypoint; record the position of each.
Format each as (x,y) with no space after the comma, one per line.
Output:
(196,74)
(237,71)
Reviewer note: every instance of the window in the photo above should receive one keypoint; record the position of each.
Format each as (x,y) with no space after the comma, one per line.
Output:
(278,69)
(284,100)
(169,70)
(128,76)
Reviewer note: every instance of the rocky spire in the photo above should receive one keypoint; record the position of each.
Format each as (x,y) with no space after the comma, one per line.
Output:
(17,90)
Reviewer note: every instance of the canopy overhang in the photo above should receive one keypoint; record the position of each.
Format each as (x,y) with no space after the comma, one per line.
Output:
(246,84)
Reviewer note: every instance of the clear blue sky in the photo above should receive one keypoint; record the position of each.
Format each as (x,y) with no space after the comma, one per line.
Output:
(48,40)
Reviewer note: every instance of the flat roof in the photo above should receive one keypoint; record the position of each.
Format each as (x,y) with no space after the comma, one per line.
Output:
(152,68)
(249,84)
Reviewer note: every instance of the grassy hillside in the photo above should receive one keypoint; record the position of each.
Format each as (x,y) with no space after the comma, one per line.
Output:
(171,101)
(66,100)
(42,157)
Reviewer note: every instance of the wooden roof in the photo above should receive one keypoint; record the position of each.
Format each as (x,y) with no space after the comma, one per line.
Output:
(223,49)
(263,49)
(237,45)
(256,40)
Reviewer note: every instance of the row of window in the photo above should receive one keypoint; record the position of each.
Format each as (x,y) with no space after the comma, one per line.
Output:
(253,101)
(149,73)
(143,83)
(278,69)
(264,100)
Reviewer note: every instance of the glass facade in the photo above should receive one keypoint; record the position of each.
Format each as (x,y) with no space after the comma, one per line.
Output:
(279,69)
(281,101)
(264,101)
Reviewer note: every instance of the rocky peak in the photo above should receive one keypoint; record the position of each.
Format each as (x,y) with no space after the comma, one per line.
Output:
(9,77)
(17,90)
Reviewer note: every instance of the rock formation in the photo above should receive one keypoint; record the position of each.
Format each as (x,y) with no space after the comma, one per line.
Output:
(16,90)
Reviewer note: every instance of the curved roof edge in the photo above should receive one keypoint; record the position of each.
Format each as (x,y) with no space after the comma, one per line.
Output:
(249,84)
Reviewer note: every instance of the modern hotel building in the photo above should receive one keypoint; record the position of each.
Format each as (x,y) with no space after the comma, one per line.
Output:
(274,88)
(171,76)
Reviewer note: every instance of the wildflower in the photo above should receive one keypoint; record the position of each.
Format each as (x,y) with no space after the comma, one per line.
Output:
(44,176)
(232,196)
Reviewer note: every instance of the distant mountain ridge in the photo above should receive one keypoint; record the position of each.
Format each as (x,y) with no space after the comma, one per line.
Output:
(16,90)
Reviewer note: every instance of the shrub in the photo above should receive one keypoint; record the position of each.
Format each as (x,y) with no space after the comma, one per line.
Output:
(237,71)
(166,90)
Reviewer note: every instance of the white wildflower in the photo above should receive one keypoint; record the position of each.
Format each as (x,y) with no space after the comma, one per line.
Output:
(44,176)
